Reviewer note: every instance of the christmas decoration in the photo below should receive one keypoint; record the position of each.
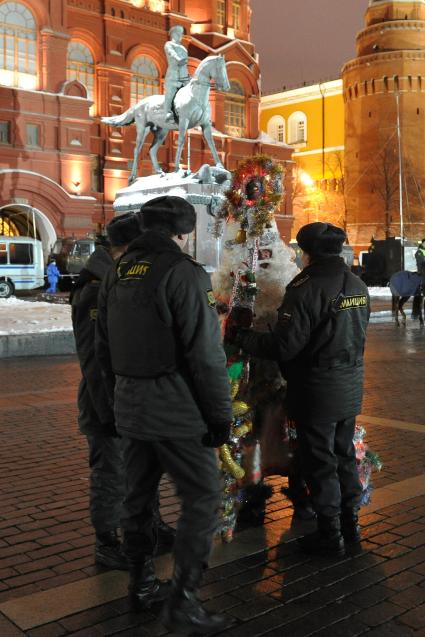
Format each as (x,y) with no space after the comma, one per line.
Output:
(251,241)
(256,192)
(367,462)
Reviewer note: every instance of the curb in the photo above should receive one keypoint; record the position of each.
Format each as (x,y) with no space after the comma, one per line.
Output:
(37,344)
(62,343)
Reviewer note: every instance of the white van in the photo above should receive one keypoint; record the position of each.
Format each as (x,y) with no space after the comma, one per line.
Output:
(21,265)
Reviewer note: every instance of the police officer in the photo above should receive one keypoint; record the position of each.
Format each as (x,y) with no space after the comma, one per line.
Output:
(158,333)
(420,259)
(318,341)
(96,417)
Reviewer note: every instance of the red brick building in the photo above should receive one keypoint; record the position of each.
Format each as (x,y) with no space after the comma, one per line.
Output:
(65,63)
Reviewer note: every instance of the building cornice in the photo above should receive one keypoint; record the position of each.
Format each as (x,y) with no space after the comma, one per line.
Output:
(376,58)
(303,94)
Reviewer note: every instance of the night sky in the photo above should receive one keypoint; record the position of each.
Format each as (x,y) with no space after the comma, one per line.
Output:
(304,40)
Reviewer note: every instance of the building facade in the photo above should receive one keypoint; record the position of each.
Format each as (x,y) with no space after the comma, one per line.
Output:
(384,94)
(64,64)
(311,120)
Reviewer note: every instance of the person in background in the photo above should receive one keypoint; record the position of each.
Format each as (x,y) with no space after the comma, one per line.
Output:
(158,335)
(318,341)
(53,276)
(95,411)
(420,259)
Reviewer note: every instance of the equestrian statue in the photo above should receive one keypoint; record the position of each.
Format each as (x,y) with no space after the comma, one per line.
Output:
(185,104)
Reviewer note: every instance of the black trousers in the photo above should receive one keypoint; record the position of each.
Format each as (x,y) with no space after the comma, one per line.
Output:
(194,470)
(329,465)
(107,485)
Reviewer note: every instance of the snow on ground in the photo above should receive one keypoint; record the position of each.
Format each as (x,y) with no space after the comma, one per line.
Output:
(384,293)
(32,317)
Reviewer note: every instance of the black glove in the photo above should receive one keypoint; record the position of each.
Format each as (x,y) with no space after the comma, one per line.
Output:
(217,435)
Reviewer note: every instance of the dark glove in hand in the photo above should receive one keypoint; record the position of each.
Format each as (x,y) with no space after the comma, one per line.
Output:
(217,436)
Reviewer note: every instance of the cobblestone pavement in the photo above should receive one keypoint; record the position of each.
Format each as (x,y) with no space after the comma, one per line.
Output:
(46,541)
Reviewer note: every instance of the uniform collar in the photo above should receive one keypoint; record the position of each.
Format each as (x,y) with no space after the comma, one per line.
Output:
(153,241)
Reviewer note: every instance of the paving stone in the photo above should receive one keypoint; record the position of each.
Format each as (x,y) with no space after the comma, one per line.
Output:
(404,580)
(379,614)
(410,597)
(48,630)
(371,596)
(414,618)
(88,617)
(391,629)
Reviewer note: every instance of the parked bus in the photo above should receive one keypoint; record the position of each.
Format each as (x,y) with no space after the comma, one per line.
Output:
(21,264)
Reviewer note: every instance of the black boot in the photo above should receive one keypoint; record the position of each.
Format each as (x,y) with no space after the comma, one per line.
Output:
(144,588)
(166,537)
(108,551)
(183,613)
(350,528)
(327,540)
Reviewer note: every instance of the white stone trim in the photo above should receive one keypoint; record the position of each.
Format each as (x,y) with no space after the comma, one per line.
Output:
(302,94)
(318,151)
(4,171)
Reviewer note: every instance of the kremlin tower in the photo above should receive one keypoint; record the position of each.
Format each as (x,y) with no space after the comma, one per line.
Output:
(384,95)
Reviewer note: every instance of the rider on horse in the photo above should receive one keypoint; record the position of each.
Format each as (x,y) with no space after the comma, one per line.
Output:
(177,74)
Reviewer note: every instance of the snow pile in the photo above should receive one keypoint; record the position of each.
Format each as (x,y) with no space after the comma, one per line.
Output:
(383,293)
(27,317)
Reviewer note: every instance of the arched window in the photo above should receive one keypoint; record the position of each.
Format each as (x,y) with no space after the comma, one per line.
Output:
(297,128)
(80,66)
(276,128)
(18,46)
(234,110)
(144,79)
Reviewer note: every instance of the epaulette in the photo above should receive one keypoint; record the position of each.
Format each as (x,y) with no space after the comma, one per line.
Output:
(304,279)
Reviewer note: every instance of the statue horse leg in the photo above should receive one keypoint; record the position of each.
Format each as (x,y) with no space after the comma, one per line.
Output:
(160,135)
(207,131)
(183,126)
(142,133)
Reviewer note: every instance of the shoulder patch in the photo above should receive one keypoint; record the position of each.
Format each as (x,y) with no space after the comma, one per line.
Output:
(211,298)
(93,314)
(129,271)
(304,279)
(351,302)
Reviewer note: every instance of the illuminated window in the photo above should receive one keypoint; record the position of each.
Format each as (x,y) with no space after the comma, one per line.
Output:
(33,135)
(145,79)
(4,132)
(236,13)
(80,67)
(18,46)
(276,128)
(221,12)
(7,229)
(297,128)
(234,110)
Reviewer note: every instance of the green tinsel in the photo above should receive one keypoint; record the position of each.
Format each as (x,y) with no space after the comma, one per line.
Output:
(374,460)
(235,371)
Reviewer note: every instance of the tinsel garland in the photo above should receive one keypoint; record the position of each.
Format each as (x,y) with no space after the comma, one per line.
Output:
(255,193)
(256,190)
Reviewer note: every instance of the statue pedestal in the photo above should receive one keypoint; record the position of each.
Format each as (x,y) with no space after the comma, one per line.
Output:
(206,198)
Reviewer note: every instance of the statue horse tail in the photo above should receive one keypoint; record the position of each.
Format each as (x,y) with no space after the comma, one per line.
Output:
(125,119)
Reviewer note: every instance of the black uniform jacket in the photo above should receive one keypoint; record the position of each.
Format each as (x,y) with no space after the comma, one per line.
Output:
(95,412)
(318,342)
(192,393)
(420,261)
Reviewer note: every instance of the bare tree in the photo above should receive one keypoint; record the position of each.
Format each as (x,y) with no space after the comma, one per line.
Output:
(385,181)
